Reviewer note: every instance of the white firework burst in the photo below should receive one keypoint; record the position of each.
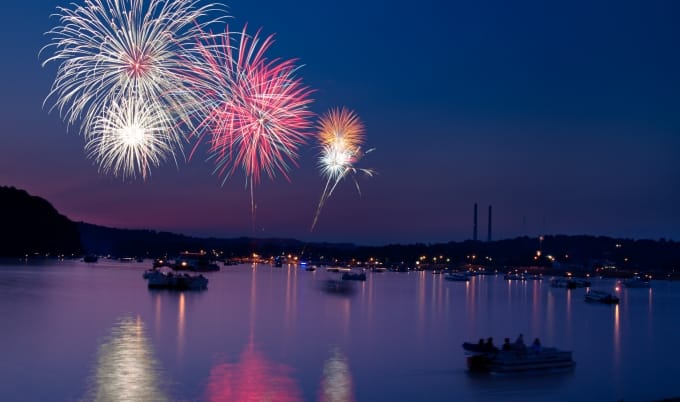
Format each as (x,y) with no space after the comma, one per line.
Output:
(131,137)
(111,50)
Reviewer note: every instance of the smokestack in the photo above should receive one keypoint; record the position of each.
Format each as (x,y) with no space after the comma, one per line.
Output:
(488,238)
(474,232)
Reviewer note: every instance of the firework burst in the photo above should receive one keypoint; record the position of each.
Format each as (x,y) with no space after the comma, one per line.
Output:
(112,50)
(341,135)
(130,137)
(254,111)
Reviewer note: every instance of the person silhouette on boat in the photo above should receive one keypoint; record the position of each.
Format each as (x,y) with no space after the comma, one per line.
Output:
(519,342)
(536,346)
(506,344)
(489,345)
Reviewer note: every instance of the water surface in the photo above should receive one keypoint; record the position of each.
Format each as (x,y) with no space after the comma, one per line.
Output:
(76,331)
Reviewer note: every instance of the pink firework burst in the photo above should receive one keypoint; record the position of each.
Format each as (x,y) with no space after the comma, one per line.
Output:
(254,111)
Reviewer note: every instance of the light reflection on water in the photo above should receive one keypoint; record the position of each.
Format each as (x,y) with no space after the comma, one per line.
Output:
(126,369)
(181,323)
(252,379)
(617,337)
(336,384)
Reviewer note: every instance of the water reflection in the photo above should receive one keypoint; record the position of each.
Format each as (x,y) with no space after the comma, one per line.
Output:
(252,379)
(126,368)
(550,315)
(291,297)
(617,337)
(336,384)
(420,295)
(568,318)
(536,322)
(470,304)
(181,324)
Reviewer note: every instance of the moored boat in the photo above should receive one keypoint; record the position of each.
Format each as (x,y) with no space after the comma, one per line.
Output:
(157,279)
(91,258)
(337,286)
(198,262)
(354,276)
(338,269)
(569,283)
(636,282)
(456,277)
(600,296)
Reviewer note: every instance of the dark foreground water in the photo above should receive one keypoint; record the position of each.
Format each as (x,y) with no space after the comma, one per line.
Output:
(74,331)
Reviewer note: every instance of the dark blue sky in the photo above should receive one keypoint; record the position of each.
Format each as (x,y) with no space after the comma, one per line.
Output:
(563,115)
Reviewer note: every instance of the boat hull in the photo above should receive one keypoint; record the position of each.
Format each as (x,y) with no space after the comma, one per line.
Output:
(160,280)
(522,362)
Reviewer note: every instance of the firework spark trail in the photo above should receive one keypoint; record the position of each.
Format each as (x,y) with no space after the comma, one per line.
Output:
(111,51)
(341,135)
(130,137)
(253,110)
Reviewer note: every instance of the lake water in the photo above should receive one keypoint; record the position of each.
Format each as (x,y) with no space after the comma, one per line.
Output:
(76,331)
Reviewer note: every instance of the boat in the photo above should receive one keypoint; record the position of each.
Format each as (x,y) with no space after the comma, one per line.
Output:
(510,276)
(157,279)
(456,277)
(198,262)
(379,269)
(310,268)
(477,348)
(354,276)
(600,296)
(338,269)
(636,282)
(90,258)
(569,283)
(337,286)
(518,361)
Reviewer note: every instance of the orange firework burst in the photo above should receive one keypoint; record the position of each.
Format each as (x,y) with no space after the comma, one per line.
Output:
(341,135)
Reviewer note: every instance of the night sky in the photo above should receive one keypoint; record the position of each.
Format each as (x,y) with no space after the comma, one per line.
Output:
(563,115)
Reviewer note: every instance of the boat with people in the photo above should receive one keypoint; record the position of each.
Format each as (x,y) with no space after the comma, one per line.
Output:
(456,277)
(636,282)
(600,296)
(517,358)
(160,279)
